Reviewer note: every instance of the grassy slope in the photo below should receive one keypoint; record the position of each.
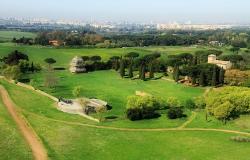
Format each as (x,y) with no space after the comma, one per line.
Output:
(12,144)
(65,141)
(9,35)
(108,86)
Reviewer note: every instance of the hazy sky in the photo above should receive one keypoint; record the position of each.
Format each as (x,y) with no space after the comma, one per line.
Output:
(198,11)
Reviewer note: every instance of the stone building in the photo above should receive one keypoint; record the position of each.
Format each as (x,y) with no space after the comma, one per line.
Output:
(224,64)
(77,65)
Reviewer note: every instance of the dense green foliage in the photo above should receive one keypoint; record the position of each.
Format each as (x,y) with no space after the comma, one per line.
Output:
(229,102)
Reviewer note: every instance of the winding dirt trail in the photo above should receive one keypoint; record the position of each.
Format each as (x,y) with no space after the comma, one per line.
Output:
(38,150)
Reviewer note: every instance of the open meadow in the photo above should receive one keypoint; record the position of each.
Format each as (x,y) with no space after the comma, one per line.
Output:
(6,36)
(67,136)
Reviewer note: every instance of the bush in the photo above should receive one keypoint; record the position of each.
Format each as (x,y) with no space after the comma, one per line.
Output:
(175,112)
(240,139)
(143,107)
(134,114)
(189,104)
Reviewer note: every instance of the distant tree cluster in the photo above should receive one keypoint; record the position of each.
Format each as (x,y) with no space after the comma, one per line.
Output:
(16,64)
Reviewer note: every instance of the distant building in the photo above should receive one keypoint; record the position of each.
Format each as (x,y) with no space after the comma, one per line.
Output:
(77,65)
(56,43)
(224,64)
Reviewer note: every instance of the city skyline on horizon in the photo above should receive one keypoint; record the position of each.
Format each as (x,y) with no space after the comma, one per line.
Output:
(159,11)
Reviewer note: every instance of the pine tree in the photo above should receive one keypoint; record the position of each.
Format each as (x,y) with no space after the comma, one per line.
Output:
(122,68)
(214,77)
(221,76)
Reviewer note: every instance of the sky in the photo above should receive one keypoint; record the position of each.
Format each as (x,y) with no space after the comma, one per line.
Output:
(160,11)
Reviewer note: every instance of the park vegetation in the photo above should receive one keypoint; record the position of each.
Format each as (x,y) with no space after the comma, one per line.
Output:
(228,103)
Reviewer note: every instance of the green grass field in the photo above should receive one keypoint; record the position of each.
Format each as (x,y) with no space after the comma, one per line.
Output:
(9,35)
(12,144)
(73,141)
(66,136)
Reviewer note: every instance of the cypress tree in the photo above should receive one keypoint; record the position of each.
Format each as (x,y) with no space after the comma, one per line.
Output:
(221,76)
(32,69)
(202,79)
(122,68)
(130,70)
(176,74)
(143,72)
(214,77)
(151,70)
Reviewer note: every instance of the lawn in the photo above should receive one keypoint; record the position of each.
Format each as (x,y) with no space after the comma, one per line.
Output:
(64,55)
(73,141)
(9,35)
(66,137)
(108,86)
(12,144)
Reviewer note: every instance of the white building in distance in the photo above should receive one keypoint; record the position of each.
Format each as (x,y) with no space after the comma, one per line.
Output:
(224,64)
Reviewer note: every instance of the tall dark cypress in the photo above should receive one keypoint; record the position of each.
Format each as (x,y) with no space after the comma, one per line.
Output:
(130,70)
(221,76)
(122,68)
(202,79)
(151,70)
(176,74)
(143,72)
(214,77)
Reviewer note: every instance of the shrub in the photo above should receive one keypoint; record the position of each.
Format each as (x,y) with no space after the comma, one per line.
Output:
(240,139)
(175,112)
(77,91)
(228,102)
(173,102)
(190,104)
(142,107)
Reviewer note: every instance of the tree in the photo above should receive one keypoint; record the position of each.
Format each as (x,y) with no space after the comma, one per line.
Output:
(202,79)
(14,57)
(50,61)
(77,91)
(12,72)
(223,112)
(176,74)
(150,60)
(115,62)
(142,68)
(221,76)
(175,112)
(131,56)
(228,102)
(190,104)
(173,102)
(122,68)
(235,49)
(96,58)
(142,107)
(85,58)
(214,77)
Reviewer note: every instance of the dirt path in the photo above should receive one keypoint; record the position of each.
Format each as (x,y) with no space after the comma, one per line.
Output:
(28,133)
(192,117)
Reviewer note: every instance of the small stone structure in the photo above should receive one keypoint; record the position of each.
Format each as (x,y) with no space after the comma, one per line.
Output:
(75,106)
(77,65)
(224,64)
